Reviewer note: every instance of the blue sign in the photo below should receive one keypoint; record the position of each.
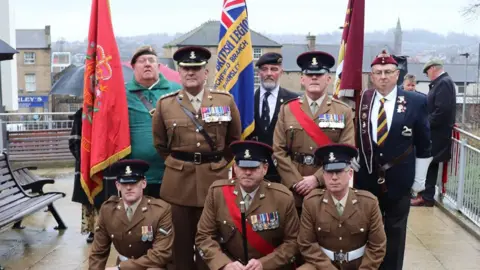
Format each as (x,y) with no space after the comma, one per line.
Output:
(32,101)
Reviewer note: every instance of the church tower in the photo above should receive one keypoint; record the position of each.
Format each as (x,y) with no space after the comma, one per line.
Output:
(397,43)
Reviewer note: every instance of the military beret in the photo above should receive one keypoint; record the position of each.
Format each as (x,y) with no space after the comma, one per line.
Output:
(250,154)
(142,51)
(383,59)
(271,58)
(315,62)
(334,157)
(129,171)
(432,62)
(192,56)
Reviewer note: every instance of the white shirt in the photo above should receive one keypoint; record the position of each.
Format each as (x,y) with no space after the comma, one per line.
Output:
(252,194)
(318,101)
(272,100)
(389,107)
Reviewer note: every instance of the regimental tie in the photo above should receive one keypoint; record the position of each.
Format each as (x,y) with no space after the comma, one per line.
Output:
(339,208)
(382,127)
(314,107)
(129,213)
(265,118)
(247,199)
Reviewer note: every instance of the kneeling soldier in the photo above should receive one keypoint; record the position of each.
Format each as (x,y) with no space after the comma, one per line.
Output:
(271,218)
(140,227)
(340,228)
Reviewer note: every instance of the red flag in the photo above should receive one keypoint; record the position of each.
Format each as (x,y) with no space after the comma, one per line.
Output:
(105,129)
(350,56)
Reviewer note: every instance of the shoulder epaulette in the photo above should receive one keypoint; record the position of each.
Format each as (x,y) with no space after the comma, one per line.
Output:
(169,94)
(224,182)
(214,91)
(279,187)
(340,102)
(157,202)
(314,193)
(292,99)
(364,193)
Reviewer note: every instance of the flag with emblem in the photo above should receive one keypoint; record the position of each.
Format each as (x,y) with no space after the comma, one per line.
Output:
(105,129)
(350,57)
(235,71)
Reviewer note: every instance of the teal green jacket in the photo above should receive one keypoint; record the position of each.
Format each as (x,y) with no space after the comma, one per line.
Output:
(141,136)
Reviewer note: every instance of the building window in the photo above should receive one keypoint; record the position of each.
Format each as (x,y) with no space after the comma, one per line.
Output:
(256,78)
(30,83)
(257,52)
(29,58)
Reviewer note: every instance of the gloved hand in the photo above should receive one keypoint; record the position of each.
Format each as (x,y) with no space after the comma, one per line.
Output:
(355,163)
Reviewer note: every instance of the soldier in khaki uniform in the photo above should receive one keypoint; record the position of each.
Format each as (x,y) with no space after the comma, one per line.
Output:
(307,123)
(140,227)
(272,220)
(341,228)
(192,129)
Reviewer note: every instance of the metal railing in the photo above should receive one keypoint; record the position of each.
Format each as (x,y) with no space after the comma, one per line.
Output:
(462,189)
(35,121)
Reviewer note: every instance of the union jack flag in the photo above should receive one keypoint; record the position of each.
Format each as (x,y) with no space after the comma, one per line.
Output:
(228,5)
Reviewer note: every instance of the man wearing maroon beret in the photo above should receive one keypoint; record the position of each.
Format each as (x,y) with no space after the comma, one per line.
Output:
(392,124)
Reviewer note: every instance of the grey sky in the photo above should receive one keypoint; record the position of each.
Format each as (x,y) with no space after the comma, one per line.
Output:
(70,19)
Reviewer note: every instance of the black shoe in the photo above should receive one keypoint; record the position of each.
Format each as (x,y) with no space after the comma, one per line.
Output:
(90,238)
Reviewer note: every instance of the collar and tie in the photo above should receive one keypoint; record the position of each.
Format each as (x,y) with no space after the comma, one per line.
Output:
(265,116)
(196,103)
(314,107)
(129,213)
(382,127)
(247,199)
(339,208)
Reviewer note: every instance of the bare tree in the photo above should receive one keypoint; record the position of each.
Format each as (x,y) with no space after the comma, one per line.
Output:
(472,10)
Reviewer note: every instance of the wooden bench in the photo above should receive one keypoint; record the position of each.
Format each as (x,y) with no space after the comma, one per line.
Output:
(30,181)
(15,203)
(39,146)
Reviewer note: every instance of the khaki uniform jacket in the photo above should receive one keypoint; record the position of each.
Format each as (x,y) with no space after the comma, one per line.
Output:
(216,226)
(287,126)
(186,183)
(360,224)
(114,227)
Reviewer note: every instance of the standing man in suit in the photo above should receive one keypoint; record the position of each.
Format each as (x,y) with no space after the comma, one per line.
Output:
(268,99)
(441,115)
(392,123)
(309,122)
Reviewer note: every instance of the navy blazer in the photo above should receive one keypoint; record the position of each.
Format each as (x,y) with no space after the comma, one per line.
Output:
(400,177)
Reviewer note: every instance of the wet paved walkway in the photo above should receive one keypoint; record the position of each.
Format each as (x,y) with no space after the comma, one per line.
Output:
(434,241)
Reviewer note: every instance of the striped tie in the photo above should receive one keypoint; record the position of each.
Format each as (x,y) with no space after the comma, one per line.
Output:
(382,128)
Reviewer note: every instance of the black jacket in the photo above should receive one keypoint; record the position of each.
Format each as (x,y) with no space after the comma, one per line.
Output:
(441,102)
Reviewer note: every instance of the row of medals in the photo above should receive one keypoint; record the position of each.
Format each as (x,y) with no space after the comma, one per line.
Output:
(147,233)
(265,221)
(216,114)
(331,121)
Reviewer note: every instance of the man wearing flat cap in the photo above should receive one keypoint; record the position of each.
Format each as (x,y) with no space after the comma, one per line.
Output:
(140,227)
(340,227)
(308,122)
(394,145)
(143,91)
(271,218)
(268,99)
(441,102)
(192,129)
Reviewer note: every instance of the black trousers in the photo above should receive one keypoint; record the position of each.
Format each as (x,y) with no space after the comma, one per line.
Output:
(395,216)
(152,190)
(429,193)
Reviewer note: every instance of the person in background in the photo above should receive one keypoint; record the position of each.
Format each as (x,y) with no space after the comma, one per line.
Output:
(89,211)
(410,84)
(143,92)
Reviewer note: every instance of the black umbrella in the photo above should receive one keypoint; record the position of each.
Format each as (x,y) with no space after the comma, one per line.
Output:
(71,83)
(6,52)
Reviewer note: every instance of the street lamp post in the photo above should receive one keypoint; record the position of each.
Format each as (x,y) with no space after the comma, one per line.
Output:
(465,88)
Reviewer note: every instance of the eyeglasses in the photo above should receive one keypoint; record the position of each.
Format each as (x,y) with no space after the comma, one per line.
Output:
(387,72)
(143,60)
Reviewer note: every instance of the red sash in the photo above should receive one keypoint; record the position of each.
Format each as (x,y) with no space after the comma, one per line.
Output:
(312,129)
(254,239)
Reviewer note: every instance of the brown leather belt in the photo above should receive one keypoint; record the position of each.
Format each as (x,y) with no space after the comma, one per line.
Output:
(305,159)
(382,170)
(197,157)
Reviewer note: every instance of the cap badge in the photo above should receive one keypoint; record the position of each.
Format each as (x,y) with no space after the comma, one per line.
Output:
(331,157)
(247,154)
(192,55)
(314,61)
(128,171)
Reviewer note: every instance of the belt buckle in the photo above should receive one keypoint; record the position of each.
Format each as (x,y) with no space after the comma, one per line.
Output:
(308,160)
(197,158)
(340,257)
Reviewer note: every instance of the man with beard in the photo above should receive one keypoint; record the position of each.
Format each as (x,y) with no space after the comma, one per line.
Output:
(143,91)
(306,123)
(192,129)
(394,145)
(441,115)
(268,99)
